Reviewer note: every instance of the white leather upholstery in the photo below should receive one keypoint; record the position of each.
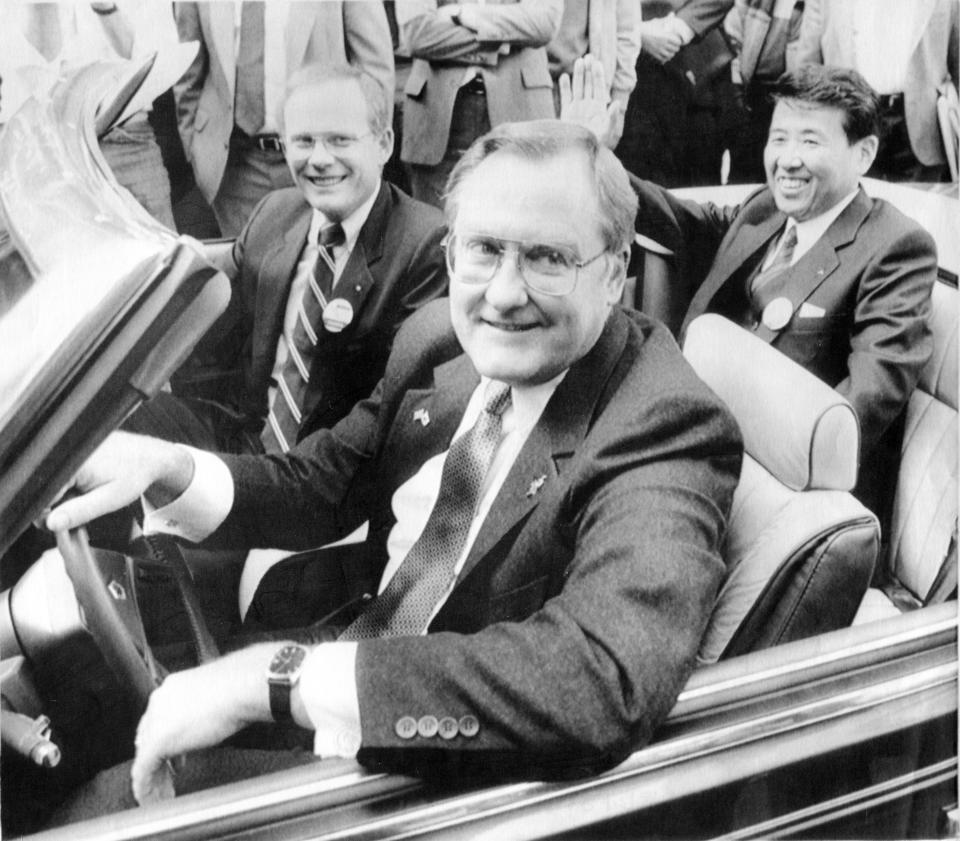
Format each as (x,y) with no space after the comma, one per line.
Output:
(924,521)
(792,515)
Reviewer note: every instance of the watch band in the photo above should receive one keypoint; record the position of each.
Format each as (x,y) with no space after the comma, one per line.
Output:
(283,673)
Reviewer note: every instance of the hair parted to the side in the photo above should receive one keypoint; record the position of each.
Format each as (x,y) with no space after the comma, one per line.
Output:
(314,74)
(538,139)
(834,87)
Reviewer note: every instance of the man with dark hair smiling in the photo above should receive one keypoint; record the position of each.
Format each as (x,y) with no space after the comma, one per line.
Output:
(834,279)
(547,484)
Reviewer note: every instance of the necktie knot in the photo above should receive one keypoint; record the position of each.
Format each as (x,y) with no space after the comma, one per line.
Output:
(331,236)
(496,398)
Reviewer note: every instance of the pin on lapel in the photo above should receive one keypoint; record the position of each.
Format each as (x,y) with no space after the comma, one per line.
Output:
(422,415)
(535,486)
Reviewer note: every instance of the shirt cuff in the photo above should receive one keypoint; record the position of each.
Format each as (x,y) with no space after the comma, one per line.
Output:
(328,689)
(201,508)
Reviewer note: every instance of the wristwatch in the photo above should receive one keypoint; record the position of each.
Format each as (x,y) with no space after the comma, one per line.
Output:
(282,675)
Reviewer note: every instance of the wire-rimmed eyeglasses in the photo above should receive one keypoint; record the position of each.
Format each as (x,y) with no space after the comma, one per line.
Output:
(549,269)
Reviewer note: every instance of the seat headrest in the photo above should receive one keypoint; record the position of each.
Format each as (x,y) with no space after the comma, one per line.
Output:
(796,426)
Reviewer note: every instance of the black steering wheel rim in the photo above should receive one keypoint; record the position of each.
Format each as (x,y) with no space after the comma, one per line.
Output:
(104,583)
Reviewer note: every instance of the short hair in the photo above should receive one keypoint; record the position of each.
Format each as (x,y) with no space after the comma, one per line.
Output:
(835,87)
(538,139)
(378,113)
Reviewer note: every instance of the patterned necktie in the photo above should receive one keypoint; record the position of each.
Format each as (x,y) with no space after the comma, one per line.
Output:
(405,606)
(286,411)
(781,261)
(248,107)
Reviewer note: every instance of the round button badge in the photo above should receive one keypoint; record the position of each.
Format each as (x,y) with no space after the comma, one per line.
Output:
(777,314)
(337,315)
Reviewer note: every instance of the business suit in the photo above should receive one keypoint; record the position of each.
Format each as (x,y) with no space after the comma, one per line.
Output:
(870,275)
(826,37)
(328,32)
(674,116)
(579,609)
(517,84)
(396,266)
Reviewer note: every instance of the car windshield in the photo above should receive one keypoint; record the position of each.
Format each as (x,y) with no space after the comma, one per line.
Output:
(68,242)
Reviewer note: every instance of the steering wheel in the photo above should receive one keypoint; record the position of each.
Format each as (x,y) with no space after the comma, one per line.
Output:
(104,581)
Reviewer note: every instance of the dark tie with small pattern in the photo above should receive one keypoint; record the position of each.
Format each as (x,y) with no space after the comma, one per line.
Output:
(286,411)
(781,262)
(405,606)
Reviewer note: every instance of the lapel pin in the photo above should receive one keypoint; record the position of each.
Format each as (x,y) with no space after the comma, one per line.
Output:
(422,415)
(535,486)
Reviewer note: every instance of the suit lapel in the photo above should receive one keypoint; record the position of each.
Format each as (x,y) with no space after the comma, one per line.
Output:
(818,263)
(356,280)
(273,286)
(747,241)
(559,431)
(223,29)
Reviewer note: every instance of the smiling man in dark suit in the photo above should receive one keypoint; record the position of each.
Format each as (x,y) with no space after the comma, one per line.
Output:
(547,484)
(834,279)
(309,327)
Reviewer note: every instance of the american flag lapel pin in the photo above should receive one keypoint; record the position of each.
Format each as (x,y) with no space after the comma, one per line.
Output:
(535,486)
(422,415)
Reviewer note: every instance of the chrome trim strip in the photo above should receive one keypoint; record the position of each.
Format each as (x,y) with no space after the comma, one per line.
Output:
(838,807)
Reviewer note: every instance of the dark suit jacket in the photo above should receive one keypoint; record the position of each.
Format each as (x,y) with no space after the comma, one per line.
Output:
(871,273)
(577,616)
(396,266)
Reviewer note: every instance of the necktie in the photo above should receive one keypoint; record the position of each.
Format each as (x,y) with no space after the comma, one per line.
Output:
(286,411)
(781,262)
(248,110)
(405,606)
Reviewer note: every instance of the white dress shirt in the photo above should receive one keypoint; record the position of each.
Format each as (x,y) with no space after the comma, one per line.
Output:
(328,680)
(810,230)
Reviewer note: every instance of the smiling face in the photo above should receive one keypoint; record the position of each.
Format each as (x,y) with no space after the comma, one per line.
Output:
(810,163)
(510,332)
(334,182)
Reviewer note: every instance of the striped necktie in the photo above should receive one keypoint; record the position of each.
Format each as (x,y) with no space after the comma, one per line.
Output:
(781,261)
(286,411)
(404,608)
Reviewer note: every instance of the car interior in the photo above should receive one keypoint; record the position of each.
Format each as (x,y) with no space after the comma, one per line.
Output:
(805,558)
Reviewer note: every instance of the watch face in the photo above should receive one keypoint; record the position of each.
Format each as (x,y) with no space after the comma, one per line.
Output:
(287,660)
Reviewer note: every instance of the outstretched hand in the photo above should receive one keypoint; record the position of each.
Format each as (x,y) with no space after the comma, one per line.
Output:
(584,100)
(122,469)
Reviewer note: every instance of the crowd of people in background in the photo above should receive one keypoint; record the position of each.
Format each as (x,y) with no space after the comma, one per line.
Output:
(694,98)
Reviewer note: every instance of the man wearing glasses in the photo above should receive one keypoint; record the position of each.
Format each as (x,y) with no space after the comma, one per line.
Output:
(547,485)
(324,273)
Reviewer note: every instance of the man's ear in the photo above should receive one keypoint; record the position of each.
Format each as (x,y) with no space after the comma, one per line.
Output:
(617,277)
(385,143)
(867,149)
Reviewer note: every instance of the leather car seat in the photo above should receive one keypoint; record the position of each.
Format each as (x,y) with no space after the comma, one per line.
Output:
(800,549)
(920,564)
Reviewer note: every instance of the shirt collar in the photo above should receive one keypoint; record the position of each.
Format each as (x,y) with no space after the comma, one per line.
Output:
(810,230)
(351,225)
(526,402)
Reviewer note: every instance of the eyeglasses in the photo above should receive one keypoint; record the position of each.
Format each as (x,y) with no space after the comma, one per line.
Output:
(304,144)
(548,269)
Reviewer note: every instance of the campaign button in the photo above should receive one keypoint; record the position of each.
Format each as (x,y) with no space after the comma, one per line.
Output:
(777,314)
(337,315)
